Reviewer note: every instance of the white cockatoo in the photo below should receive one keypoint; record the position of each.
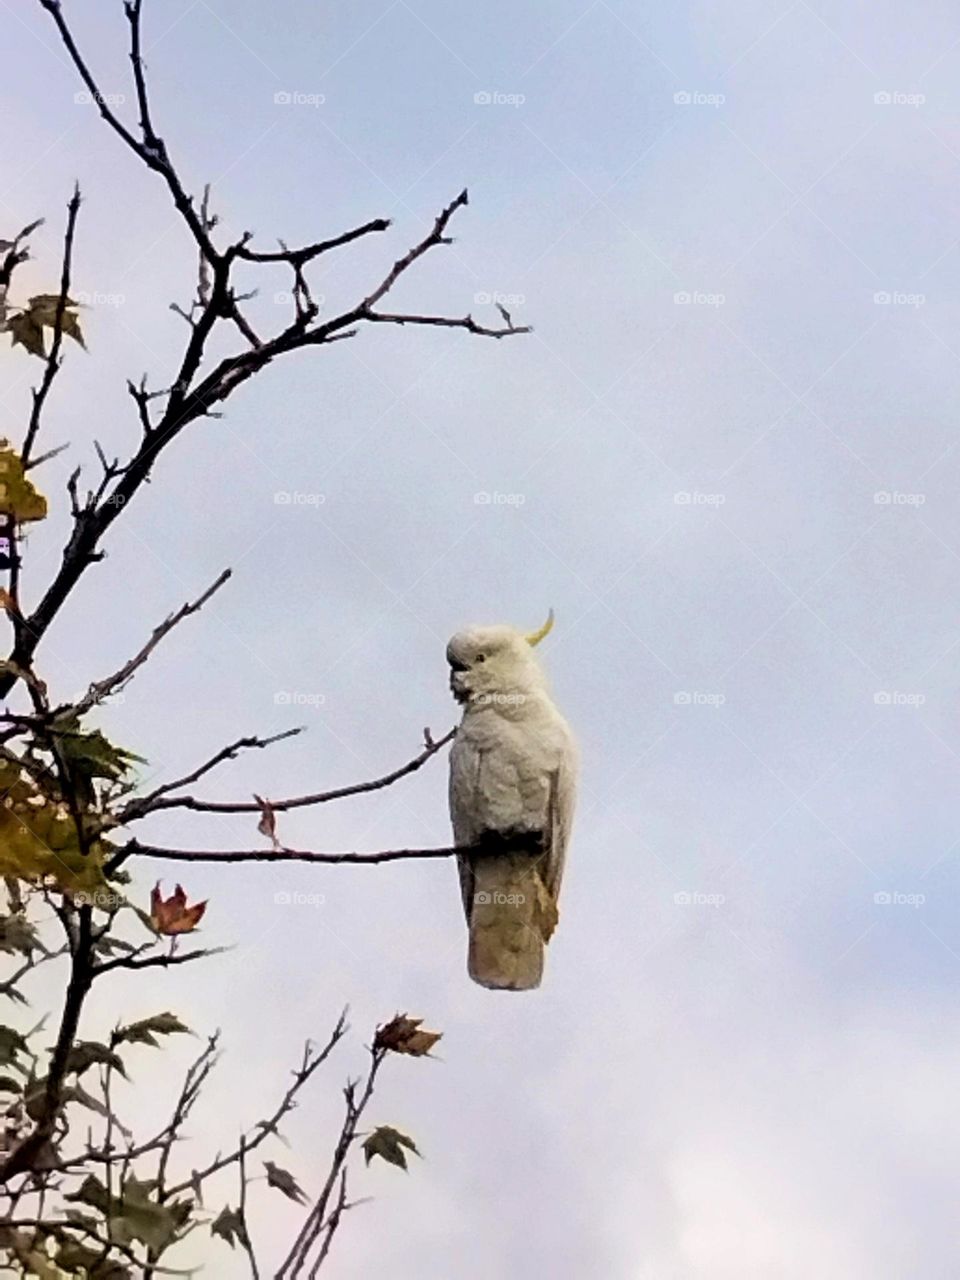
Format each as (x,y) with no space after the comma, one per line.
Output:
(513,781)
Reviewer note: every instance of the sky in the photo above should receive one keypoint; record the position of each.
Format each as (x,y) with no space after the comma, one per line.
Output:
(727,457)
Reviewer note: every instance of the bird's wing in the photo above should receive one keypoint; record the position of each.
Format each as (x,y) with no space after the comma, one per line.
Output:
(465,765)
(563,792)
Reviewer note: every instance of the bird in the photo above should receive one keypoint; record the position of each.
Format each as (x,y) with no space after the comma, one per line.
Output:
(513,783)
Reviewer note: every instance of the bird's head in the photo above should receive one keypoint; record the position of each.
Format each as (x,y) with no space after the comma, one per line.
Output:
(491,663)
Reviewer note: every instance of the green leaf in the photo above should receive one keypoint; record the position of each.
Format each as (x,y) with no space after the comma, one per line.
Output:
(91,754)
(388,1144)
(229,1225)
(143,1032)
(28,333)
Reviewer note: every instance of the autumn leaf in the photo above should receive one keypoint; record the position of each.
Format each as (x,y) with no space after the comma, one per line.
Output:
(388,1144)
(17,934)
(38,839)
(285,1182)
(171,916)
(28,333)
(229,1225)
(88,1053)
(18,496)
(403,1035)
(41,312)
(267,826)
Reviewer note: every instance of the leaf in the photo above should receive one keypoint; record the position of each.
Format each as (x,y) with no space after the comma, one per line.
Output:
(229,1225)
(172,916)
(285,1182)
(12,1044)
(18,935)
(134,1215)
(74,1256)
(89,1053)
(267,826)
(403,1035)
(38,839)
(388,1144)
(18,497)
(28,333)
(143,1032)
(91,754)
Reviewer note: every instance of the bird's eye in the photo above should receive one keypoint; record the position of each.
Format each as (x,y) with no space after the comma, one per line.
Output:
(481,657)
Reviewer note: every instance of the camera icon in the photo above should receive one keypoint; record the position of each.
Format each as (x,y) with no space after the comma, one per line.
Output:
(883,98)
(681,698)
(283,99)
(282,898)
(882,698)
(882,498)
(683,98)
(882,298)
(682,299)
(883,899)
(682,899)
(482,299)
(281,698)
(282,498)
(482,899)
(483,98)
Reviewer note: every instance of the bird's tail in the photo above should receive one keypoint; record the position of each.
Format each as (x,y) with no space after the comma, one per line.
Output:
(512,916)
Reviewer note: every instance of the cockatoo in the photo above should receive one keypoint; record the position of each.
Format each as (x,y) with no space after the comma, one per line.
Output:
(513,781)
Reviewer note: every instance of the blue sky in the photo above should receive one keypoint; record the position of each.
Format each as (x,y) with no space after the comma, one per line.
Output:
(729,450)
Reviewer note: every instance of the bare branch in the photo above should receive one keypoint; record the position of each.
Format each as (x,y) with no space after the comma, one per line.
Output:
(158,800)
(135,849)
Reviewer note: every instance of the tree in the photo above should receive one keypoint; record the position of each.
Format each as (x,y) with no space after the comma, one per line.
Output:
(111,1206)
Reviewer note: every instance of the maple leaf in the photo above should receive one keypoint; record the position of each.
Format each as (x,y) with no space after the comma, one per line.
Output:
(388,1144)
(28,332)
(403,1035)
(171,915)
(144,1031)
(285,1182)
